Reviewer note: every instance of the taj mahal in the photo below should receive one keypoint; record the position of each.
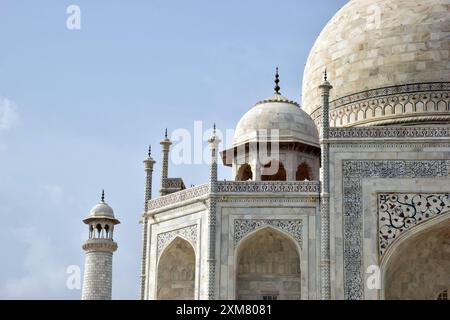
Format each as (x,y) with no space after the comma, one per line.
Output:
(349,200)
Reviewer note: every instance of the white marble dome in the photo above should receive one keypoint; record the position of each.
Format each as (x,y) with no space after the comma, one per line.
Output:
(276,113)
(101,210)
(371,46)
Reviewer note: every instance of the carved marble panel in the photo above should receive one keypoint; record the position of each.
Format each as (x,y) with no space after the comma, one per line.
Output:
(398,212)
(354,171)
(189,233)
(242,227)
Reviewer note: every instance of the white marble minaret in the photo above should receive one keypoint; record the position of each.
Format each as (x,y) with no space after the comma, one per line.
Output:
(97,282)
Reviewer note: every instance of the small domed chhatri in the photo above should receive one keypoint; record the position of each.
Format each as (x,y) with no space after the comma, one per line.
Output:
(276,113)
(276,120)
(102,209)
(389,63)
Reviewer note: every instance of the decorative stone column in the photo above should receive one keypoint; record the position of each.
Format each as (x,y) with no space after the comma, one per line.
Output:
(97,282)
(165,143)
(148,165)
(212,218)
(325,281)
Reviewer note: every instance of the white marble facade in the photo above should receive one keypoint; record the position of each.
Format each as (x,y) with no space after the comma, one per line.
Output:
(383,159)
(362,170)
(240,214)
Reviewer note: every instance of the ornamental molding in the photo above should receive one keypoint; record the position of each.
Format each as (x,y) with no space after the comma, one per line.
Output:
(93,245)
(173,183)
(432,88)
(180,196)
(389,132)
(189,233)
(268,187)
(354,171)
(243,227)
(278,98)
(228,187)
(389,105)
(369,145)
(416,119)
(399,212)
(307,200)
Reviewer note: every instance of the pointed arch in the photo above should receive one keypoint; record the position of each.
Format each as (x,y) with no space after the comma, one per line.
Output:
(303,172)
(414,266)
(268,266)
(244,173)
(176,271)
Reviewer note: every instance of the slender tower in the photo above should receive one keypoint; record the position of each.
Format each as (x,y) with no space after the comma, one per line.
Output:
(325,193)
(148,166)
(99,249)
(165,143)
(212,209)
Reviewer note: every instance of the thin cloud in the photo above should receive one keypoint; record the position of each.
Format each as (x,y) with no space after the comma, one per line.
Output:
(8,114)
(43,274)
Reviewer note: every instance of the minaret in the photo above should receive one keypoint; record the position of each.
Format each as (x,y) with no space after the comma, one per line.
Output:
(148,166)
(165,143)
(211,221)
(97,283)
(325,193)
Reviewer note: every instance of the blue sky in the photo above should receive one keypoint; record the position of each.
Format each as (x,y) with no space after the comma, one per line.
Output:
(78,109)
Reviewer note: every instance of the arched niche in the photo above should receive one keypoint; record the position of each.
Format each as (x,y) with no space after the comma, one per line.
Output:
(268,267)
(303,172)
(244,173)
(176,271)
(417,267)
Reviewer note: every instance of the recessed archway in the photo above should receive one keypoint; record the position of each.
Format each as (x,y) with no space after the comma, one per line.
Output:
(244,173)
(273,171)
(268,267)
(176,272)
(419,267)
(303,172)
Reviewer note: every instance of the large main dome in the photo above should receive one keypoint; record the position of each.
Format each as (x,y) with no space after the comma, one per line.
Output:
(388,61)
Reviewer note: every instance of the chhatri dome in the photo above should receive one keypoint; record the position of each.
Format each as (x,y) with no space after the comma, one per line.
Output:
(101,210)
(388,62)
(276,113)
(288,133)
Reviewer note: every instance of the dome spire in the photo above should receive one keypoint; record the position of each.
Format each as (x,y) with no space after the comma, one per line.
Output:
(325,75)
(103,196)
(277,81)
(149,150)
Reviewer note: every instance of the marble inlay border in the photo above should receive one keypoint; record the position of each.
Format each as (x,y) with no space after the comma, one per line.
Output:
(354,171)
(390,132)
